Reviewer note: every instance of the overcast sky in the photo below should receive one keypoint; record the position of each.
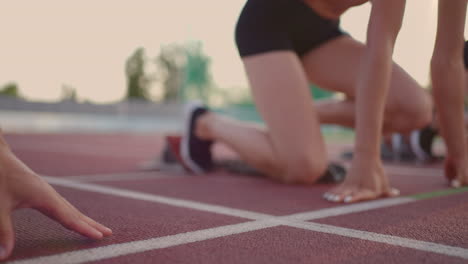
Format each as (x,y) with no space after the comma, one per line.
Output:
(45,44)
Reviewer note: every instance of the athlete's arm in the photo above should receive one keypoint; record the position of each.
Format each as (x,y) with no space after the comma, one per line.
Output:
(384,25)
(447,82)
(20,187)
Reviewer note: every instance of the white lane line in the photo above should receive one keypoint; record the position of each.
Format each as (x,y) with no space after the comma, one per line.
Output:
(322,213)
(263,221)
(116,250)
(385,239)
(123,177)
(348,209)
(306,216)
(157,198)
(134,247)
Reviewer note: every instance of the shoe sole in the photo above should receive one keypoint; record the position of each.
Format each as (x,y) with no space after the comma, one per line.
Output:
(185,152)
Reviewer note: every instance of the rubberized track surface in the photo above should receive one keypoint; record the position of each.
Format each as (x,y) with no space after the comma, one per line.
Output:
(171,217)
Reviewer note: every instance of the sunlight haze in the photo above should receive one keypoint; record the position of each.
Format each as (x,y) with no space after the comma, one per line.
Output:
(49,43)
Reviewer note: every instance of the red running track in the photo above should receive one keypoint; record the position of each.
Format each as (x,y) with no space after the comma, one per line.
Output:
(171,217)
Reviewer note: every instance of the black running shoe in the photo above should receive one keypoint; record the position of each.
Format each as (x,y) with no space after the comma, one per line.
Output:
(335,173)
(421,143)
(195,152)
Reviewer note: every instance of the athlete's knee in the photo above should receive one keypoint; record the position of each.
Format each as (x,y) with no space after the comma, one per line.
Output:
(409,114)
(412,118)
(304,169)
(419,113)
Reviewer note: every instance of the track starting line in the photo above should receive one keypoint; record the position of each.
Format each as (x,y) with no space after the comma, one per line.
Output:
(255,221)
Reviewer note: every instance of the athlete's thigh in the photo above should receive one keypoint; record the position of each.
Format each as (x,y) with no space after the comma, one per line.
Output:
(335,66)
(282,96)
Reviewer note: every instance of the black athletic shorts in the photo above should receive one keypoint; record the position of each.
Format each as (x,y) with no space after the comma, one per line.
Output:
(270,25)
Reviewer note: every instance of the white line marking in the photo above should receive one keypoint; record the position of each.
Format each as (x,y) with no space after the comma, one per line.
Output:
(158,199)
(122,249)
(116,250)
(123,177)
(348,209)
(263,221)
(385,239)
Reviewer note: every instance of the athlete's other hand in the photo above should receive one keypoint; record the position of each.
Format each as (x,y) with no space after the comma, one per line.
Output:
(20,187)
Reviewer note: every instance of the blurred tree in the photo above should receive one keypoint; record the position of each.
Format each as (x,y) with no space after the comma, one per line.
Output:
(170,65)
(10,89)
(197,72)
(68,93)
(137,82)
(184,72)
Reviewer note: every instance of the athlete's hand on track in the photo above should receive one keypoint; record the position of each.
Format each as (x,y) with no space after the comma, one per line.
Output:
(366,180)
(20,187)
(457,175)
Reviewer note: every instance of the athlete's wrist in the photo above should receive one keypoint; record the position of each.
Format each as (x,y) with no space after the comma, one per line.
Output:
(366,155)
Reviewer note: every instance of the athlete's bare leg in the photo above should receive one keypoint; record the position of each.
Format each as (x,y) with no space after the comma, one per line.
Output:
(290,148)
